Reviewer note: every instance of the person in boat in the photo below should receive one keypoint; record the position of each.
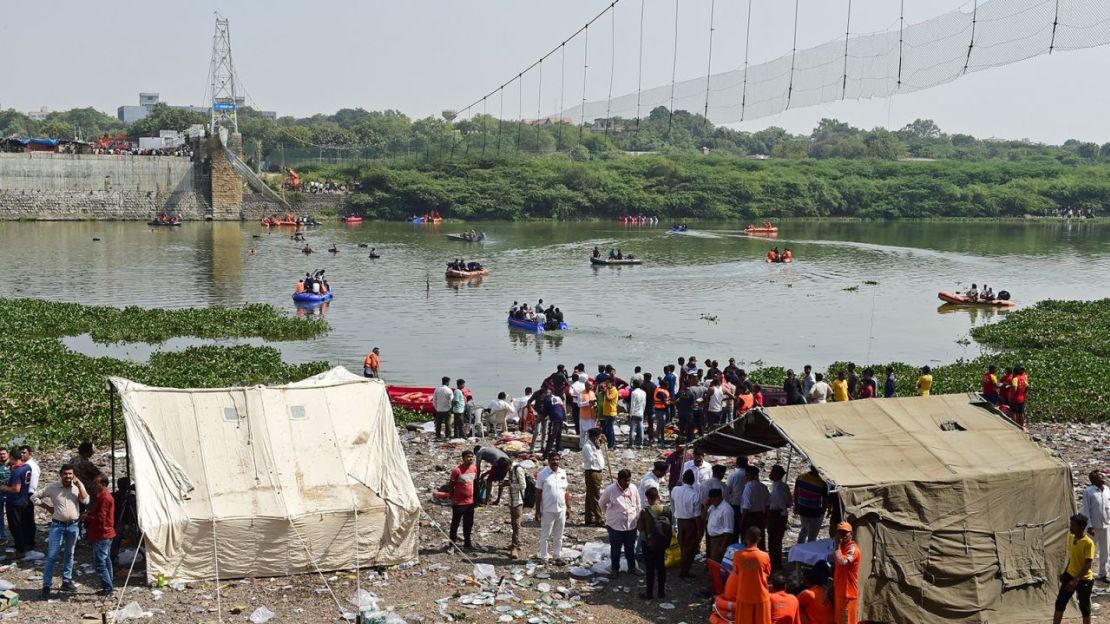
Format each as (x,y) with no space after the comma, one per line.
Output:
(541,318)
(299,287)
(558,315)
(473,266)
(620,255)
(530,316)
(630,257)
(513,309)
(597,252)
(987,294)
(787,255)
(306,249)
(612,254)
(773,255)
(972,293)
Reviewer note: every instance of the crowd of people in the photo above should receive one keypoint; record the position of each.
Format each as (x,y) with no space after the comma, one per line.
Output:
(459,264)
(549,317)
(709,507)
(80,505)
(614,254)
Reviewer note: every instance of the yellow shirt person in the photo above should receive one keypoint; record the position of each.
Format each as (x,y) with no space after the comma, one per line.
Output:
(840,389)
(924,382)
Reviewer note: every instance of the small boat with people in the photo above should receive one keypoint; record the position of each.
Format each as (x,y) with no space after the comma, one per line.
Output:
(164,220)
(312,288)
(637,220)
(288,220)
(350,219)
(975,297)
(461,269)
(786,256)
(468,237)
(767,229)
(430,218)
(616,258)
(679,228)
(536,319)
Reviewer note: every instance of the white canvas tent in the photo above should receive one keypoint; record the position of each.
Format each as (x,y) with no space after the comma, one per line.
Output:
(269,481)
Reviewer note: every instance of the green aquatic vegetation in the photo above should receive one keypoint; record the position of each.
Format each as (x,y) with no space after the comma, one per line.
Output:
(55,396)
(851,289)
(50,319)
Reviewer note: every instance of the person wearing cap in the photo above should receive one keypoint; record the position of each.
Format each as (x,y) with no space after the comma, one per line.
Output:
(1078,578)
(846,558)
(814,603)
(747,584)
(1096,506)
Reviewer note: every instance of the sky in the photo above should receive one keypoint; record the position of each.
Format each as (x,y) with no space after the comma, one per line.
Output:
(424,56)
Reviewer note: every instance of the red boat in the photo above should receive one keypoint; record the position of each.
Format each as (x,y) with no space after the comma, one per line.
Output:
(415,398)
(457,274)
(351,219)
(761,231)
(961,299)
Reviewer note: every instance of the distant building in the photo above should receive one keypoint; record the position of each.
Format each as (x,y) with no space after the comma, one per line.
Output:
(39,115)
(131,114)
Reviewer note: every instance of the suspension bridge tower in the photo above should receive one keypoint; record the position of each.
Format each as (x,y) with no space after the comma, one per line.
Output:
(225,142)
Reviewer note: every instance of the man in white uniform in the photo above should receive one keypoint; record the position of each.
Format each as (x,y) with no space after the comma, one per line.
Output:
(1096,506)
(552,503)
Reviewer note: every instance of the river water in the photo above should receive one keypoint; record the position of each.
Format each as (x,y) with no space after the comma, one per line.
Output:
(817,310)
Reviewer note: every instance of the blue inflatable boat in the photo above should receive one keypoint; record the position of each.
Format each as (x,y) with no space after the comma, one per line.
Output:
(530,326)
(311,298)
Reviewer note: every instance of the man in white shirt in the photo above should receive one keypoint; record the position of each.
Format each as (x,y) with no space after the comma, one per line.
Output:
(621,505)
(715,404)
(1096,506)
(499,410)
(593,464)
(687,511)
(552,504)
(653,480)
(753,504)
(637,400)
(734,487)
(637,376)
(808,379)
(715,482)
(778,513)
(441,402)
(702,470)
(518,482)
(577,387)
(821,391)
(719,526)
(26,453)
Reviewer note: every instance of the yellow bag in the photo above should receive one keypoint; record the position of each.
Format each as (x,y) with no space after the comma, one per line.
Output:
(673,557)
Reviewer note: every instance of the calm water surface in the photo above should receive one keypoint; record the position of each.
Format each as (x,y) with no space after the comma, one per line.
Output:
(815,311)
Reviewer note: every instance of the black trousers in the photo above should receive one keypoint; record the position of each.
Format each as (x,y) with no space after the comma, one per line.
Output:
(21,524)
(443,423)
(554,437)
(656,571)
(458,425)
(1082,591)
(465,515)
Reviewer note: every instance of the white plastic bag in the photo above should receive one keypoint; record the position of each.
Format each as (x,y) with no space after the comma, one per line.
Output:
(261,615)
(131,612)
(364,600)
(484,572)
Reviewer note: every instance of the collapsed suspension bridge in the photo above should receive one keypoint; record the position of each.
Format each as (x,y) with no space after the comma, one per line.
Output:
(908,57)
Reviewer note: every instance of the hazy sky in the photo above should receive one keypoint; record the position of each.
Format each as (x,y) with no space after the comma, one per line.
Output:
(421,57)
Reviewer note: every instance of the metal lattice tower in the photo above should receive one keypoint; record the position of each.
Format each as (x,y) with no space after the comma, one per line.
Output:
(224,97)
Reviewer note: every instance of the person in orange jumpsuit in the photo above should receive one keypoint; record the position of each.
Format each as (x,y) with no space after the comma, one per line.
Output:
(814,602)
(747,585)
(784,606)
(846,559)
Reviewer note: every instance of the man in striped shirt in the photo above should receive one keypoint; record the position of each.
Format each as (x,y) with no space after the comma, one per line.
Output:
(811,500)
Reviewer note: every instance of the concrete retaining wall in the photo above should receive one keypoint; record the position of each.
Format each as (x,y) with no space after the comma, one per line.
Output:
(76,186)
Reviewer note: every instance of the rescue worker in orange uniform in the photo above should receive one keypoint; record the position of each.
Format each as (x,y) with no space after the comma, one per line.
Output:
(747,585)
(814,602)
(372,363)
(787,255)
(772,256)
(846,559)
(784,606)
(300,286)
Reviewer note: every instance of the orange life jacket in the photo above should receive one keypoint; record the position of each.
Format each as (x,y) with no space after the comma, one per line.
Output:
(300,286)
(787,255)
(661,398)
(771,255)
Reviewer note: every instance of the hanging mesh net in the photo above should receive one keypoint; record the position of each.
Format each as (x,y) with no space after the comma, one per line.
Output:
(916,57)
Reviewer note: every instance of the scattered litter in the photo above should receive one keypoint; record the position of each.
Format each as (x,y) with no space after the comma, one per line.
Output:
(666,605)
(128,555)
(592,552)
(261,615)
(33,555)
(156,594)
(131,612)
(581,572)
(364,600)
(5,586)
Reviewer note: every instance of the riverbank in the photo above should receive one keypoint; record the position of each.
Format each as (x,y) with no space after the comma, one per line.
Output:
(439,581)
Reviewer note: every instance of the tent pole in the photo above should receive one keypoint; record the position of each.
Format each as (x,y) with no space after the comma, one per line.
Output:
(112,420)
(789,458)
